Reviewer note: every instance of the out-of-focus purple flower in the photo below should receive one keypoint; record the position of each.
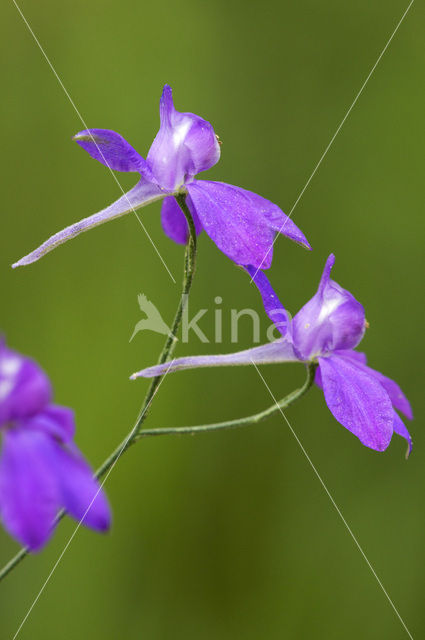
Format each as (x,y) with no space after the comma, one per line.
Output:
(242,224)
(41,469)
(325,331)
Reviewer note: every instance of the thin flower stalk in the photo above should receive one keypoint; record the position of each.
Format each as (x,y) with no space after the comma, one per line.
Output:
(247,421)
(166,353)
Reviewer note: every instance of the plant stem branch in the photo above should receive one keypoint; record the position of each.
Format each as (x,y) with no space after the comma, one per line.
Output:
(238,422)
(166,353)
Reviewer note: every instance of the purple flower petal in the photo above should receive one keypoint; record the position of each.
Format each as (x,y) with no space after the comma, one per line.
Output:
(184,145)
(400,429)
(241,223)
(28,490)
(357,401)
(276,219)
(356,356)
(55,421)
(271,353)
(81,494)
(173,221)
(24,387)
(142,194)
(232,222)
(272,305)
(332,319)
(396,395)
(112,150)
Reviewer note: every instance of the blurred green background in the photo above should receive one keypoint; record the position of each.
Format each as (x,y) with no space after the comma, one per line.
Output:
(227,535)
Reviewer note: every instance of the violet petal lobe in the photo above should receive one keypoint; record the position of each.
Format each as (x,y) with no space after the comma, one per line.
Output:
(357,401)
(173,221)
(400,428)
(24,387)
(355,356)
(276,219)
(112,150)
(142,194)
(81,494)
(396,395)
(332,319)
(273,352)
(55,421)
(272,305)
(358,357)
(28,489)
(184,145)
(232,222)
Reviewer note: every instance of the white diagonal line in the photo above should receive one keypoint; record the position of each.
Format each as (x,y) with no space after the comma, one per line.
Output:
(337,509)
(93,140)
(335,134)
(55,566)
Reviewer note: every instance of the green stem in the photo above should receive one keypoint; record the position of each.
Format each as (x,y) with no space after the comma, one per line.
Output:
(238,422)
(167,431)
(166,353)
(137,433)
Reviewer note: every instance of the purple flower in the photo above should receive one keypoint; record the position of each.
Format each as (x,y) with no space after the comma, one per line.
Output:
(325,331)
(41,469)
(242,224)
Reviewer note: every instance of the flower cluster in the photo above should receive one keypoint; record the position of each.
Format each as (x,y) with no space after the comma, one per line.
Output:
(325,331)
(241,223)
(41,469)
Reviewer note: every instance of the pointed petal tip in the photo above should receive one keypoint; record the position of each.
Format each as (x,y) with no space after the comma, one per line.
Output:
(81,136)
(167,92)
(330,261)
(102,523)
(167,95)
(22,262)
(326,274)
